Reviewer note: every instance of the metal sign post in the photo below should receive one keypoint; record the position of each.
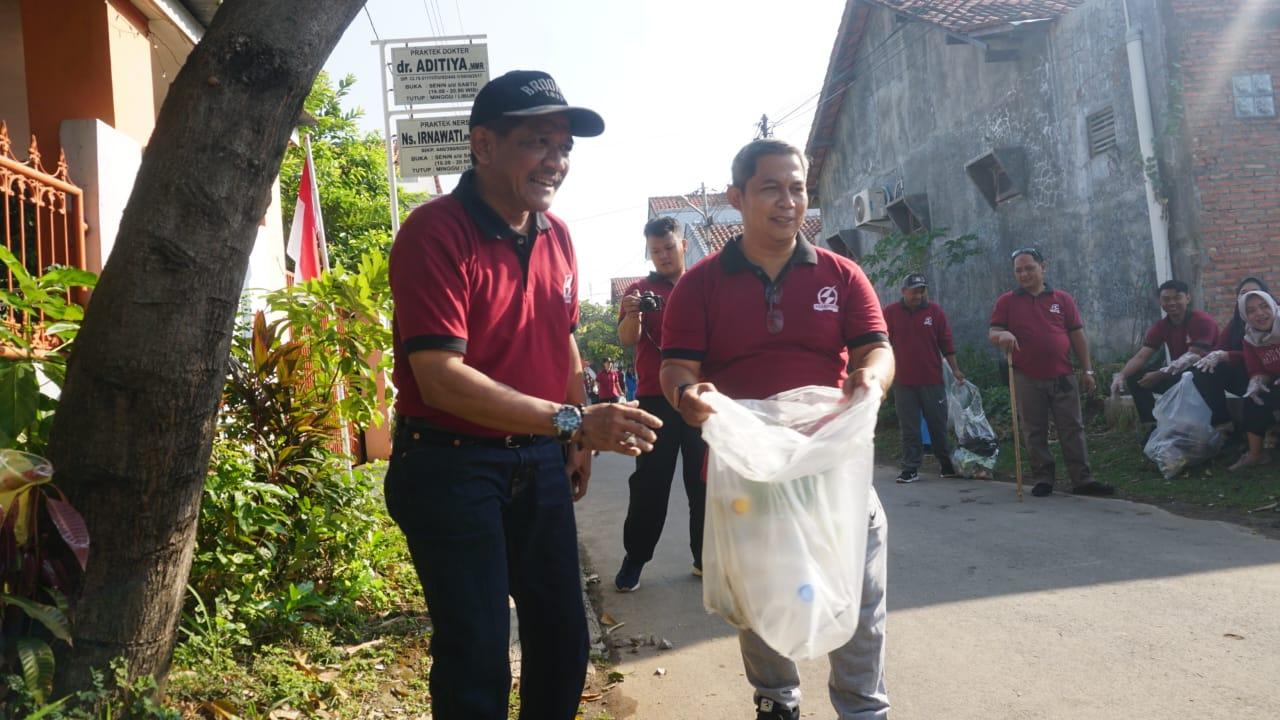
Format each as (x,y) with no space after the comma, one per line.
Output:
(443,73)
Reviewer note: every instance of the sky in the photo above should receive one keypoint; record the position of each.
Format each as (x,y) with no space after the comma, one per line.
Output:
(681,85)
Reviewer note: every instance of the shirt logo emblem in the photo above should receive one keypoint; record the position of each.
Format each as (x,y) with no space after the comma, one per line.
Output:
(568,288)
(1056,309)
(929,321)
(828,300)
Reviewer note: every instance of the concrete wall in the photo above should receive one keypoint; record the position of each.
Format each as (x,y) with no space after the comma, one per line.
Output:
(919,109)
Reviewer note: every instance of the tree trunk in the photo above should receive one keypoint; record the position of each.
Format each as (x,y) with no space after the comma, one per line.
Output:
(135,425)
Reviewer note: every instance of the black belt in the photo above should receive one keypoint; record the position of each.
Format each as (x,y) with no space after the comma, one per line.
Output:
(419,430)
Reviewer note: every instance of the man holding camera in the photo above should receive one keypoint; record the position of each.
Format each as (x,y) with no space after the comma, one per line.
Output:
(640,326)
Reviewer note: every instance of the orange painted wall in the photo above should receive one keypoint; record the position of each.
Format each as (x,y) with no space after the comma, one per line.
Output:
(68,66)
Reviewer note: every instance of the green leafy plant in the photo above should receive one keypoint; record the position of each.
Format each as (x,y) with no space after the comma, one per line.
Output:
(598,334)
(38,323)
(897,255)
(351,171)
(44,546)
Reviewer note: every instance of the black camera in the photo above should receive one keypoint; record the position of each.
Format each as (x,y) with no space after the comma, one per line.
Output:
(650,302)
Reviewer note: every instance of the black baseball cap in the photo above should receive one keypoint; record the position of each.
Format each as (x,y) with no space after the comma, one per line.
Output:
(527,93)
(914,280)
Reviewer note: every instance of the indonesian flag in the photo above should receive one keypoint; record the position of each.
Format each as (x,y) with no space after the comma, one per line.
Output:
(306,236)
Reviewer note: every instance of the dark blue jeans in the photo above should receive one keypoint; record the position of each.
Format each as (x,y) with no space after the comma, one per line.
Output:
(484,523)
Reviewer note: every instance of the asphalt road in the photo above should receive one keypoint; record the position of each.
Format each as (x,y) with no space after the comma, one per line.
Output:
(1058,607)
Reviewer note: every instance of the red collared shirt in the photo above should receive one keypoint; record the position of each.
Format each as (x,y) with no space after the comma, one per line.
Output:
(1042,323)
(1262,360)
(1197,330)
(717,316)
(463,280)
(920,338)
(649,346)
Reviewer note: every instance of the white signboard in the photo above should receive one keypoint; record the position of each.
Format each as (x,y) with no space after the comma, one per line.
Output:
(429,74)
(438,145)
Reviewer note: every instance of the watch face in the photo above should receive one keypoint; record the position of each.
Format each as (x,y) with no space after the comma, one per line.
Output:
(567,420)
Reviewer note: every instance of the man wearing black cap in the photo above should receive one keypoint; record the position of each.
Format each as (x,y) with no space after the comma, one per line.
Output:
(477,480)
(921,337)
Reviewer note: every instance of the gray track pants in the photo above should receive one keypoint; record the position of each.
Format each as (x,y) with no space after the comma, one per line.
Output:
(856,683)
(911,401)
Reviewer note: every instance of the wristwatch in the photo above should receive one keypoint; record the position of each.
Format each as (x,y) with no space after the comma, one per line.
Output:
(1089,372)
(567,421)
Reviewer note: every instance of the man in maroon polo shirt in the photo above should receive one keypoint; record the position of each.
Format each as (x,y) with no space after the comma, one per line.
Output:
(921,337)
(485,285)
(1189,335)
(640,326)
(1040,325)
(769,313)
(609,383)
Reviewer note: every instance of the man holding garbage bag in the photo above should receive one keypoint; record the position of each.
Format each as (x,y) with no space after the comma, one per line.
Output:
(921,336)
(771,312)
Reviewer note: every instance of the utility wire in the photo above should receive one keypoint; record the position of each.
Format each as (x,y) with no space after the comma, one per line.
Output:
(371,27)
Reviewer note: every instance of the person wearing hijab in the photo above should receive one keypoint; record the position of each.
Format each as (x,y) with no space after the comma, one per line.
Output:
(1222,370)
(1262,362)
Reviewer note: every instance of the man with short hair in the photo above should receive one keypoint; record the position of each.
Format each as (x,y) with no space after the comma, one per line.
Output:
(921,337)
(771,312)
(477,480)
(609,383)
(1041,326)
(650,484)
(1188,334)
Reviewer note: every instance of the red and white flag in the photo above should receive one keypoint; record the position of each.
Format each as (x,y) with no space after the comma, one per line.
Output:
(306,236)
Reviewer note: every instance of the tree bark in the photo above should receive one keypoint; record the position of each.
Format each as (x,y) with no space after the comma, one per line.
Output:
(135,425)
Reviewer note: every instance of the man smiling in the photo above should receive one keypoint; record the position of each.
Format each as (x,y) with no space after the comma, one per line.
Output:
(817,322)
(1189,335)
(485,286)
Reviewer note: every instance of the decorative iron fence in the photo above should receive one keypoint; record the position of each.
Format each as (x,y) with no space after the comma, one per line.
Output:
(43,218)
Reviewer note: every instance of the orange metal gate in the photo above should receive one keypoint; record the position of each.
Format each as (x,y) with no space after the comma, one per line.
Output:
(43,224)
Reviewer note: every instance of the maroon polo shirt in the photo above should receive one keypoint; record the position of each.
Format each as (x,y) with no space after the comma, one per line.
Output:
(1197,330)
(1262,360)
(717,316)
(463,280)
(649,346)
(609,384)
(1042,324)
(918,336)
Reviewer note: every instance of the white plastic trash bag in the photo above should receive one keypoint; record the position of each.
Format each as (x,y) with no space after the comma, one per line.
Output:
(785,539)
(1184,433)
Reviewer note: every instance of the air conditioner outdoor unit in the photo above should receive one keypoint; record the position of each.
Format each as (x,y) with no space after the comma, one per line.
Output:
(868,207)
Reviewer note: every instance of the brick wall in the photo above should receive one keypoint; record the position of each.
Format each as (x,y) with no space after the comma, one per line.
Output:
(1235,162)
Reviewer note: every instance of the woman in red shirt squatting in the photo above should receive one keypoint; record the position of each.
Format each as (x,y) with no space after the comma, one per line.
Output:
(1262,360)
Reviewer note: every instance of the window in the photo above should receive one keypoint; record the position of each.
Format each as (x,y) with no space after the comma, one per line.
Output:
(1102,132)
(1254,95)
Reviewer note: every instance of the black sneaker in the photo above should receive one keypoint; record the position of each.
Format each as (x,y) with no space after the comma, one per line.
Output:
(767,709)
(908,476)
(628,577)
(1042,489)
(1094,488)
(947,470)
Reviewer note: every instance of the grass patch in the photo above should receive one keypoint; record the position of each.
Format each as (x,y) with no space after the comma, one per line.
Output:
(1116,458)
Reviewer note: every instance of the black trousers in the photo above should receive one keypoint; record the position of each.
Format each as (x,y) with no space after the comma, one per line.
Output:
(483,523)
(1144,399)
(650,484)
(1214,386)
(912,401)
(1258,419)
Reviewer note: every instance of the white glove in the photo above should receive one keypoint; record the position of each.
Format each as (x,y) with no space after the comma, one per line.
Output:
(1182,363)
(1209,362)
(1117,384)
(1257,386)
